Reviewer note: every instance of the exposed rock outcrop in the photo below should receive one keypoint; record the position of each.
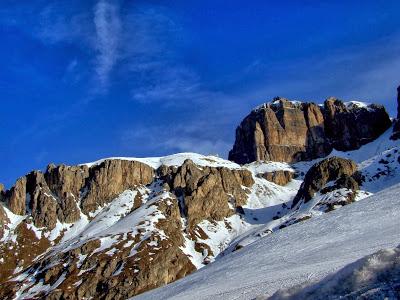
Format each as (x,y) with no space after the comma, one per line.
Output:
(208,193)
(17,197)
(3,221)
(291,131)
(2,192)
(341,172)
(156,261)
(110,178)
(281,177)
(66,183)
(396,126)
(348,127)
(42,202)
(55,195)
(281,131)
(164,208)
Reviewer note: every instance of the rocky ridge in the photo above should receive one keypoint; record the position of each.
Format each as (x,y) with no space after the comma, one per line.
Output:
(119,227)
(162,208)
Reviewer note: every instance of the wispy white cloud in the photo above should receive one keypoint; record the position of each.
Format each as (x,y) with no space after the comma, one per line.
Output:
(54,24)
(108,32)
(187,137)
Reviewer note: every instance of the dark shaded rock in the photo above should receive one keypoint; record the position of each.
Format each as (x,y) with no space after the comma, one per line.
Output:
(344,181)
(2,192)
(350,127)
(281,131)
(42,202)
(3,221)
(330,169)
(396,126)
(280,177)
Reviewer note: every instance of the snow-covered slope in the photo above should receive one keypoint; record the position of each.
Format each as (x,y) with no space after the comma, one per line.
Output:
(251,250)
(376,276)
(301,253)
(176,160)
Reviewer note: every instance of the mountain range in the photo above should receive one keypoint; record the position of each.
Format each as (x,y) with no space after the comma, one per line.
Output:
(307,199)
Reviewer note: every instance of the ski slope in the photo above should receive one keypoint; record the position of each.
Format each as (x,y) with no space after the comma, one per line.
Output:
(376,276)
(299,254)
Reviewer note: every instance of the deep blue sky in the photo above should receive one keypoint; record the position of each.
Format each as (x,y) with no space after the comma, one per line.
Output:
(82,80)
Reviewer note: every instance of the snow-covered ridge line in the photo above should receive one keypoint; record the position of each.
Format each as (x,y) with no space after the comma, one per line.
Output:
(174,160)
(277,101)
(357,104)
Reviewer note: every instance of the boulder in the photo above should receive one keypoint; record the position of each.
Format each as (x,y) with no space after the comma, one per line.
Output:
(343,172)
(280,177)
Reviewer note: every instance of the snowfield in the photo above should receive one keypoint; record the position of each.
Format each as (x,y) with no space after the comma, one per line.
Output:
(299,254)
(376,276)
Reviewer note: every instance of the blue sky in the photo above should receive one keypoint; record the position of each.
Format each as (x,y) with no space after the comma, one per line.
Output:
(82,80)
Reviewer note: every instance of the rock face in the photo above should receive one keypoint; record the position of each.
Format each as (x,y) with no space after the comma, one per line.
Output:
(42,203)
(66,183)
(208,193)
(280,177)
(123,275)
(16,197)
(396,128)
(281,131)
(348,127)
(55,195)
(291,131)
(112,177)
(3,221)
(343,172)
(156,213)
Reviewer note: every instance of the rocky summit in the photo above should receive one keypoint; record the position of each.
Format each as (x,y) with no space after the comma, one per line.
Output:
(290,131)
(119,227)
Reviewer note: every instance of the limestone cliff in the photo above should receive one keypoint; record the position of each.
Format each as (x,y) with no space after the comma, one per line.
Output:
(159,212)
(290,131)
(281,131)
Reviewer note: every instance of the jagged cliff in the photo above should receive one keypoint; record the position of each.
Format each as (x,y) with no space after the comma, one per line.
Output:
(290,131)
(161,207)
